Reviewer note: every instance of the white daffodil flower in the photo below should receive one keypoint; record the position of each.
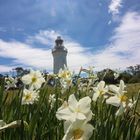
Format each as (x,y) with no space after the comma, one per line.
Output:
(75,109)
(10,82)
(52,100)
(13,124)
(78,130)
(66,82)
(100,90)
(65,73)
(29,96)
(119,99)
(118,90)
(65,78)
(34,79)
(82,87)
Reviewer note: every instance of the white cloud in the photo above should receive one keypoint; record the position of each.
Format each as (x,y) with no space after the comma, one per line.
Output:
(45,37)
(122,51)
(25,54)
(4,68)
(76,53)
(78,56)
(114,6)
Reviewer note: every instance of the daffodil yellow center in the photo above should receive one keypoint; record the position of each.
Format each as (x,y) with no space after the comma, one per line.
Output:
(28,97)
(34,79)
(101,92)
(123,98)
(77,110)
(65,74)
(77,133)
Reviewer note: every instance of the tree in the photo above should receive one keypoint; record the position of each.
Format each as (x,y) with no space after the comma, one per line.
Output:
(107,75)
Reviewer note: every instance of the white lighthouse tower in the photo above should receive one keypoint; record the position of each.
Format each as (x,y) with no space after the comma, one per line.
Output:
(59,53)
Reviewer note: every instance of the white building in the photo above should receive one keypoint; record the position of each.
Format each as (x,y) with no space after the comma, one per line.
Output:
(59,53)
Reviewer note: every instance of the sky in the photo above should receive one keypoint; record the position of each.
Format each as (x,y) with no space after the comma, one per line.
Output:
(99,33)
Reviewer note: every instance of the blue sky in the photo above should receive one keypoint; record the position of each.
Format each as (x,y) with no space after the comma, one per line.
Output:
(100,33)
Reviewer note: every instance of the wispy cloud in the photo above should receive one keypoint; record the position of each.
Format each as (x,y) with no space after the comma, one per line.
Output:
(46,37)
(76,52)
(114,7)
(25,54)
(122,51)
(4,68)
(124,47)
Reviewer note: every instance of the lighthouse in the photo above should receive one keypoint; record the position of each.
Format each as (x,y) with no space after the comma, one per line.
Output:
(59,53)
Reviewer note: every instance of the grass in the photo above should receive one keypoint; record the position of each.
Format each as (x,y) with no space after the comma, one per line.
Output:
(38,121)
(132,90)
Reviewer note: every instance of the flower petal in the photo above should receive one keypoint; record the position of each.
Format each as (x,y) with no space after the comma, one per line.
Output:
(95,96)
(122,86)
(88,130)
(80,116)
(113,101)
(114,89)
(101,85)
(72,102)
(67,125)
(64,114)
(84,104)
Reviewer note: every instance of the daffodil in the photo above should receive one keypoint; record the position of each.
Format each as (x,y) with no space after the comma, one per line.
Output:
(78,130)
(75,109)
(64,73)
(52,100)
(66,82)
(82,87)
(100,90)
(34,79)
(86,85)
(29,96)
(119,99)
(65,76)
(10,82)
(13,124)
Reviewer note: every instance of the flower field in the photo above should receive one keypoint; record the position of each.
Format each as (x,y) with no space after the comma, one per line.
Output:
(67,106)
